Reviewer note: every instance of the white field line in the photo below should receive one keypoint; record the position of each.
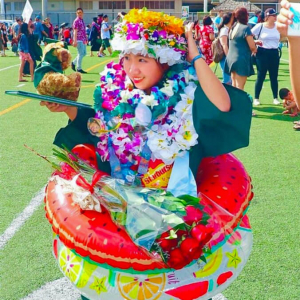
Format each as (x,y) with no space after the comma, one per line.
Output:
(18,222)
(20,85)
(61,289)
(9,67)
(285,60)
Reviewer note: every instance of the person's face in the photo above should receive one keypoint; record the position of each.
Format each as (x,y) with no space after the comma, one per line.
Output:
(94,127)
(79,14)
(221,13)
(273,18)
(144,72)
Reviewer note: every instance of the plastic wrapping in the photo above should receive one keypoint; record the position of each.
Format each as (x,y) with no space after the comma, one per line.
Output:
(100,258)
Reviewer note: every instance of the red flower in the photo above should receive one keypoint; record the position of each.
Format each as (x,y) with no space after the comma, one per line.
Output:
(193,214)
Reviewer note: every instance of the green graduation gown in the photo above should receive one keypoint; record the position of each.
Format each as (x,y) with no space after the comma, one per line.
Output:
(219,132)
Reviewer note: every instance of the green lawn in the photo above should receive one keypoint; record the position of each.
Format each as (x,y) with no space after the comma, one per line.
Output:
(271,159)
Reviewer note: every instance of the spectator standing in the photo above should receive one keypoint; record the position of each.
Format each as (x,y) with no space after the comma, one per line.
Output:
(197,32)
(39,29)
(16,28)
(217,22)
(51,29)
(254,19)
(87,32)
(67,35)
(5,38)
(46,28)
(24,52)
(228,20)
(2,52)
(267,56)
(241,46)
(105,36)
(79,40)
(206,34)
(100,20)
(94,37)
(56,32)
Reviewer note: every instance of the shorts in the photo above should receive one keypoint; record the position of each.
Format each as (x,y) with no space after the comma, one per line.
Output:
(106,43)
(24,56)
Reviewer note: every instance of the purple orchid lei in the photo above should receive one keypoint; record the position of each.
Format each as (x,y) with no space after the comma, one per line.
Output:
(169,130)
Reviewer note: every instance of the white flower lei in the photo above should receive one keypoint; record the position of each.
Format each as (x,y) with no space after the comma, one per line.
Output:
(168,136)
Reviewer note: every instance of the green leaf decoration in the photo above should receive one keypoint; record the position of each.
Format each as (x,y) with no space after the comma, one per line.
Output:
(143,232)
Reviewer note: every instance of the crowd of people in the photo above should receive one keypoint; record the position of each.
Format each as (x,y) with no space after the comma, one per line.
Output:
(245,42)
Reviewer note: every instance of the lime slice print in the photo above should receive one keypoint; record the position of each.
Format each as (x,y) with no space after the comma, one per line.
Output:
(70,264)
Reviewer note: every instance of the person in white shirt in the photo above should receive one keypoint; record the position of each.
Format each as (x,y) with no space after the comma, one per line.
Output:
(267,56)
(228,20)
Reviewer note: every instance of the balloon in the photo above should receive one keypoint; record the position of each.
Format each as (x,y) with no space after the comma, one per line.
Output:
(100,258)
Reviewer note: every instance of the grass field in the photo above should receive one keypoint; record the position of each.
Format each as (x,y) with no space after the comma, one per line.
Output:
(272,160)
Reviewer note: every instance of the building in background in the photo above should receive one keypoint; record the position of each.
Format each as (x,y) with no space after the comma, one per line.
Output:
(64,11)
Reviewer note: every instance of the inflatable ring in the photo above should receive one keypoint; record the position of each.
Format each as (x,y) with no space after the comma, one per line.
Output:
(99,257)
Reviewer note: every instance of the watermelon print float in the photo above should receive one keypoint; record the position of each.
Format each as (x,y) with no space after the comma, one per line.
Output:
(101,260)
(150,204)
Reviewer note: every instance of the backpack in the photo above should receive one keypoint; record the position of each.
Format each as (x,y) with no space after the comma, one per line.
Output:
(217,50)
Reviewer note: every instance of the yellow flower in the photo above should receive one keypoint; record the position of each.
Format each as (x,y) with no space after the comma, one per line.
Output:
(172,43)
(171,24)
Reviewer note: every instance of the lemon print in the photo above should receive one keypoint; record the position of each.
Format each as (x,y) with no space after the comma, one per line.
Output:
(213,263)
(70,264)
(88,270)
(148,287)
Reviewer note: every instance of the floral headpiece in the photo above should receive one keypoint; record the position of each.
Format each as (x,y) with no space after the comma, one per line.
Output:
(155,34)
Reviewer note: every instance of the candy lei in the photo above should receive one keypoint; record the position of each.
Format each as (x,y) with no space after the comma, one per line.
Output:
(136,122)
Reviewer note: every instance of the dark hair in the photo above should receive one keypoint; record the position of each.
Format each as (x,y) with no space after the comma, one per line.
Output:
(257,12)
(95,19)
(283,93)
(196,22)
(241,15)
(261,17)
(79,8)
(24,29)
(105,16)
(225,21)
(207,20)
(100,15)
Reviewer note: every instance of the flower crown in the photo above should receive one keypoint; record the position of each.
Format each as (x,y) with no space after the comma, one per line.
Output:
(155,34)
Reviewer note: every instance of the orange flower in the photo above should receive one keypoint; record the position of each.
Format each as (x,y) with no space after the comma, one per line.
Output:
(171,24)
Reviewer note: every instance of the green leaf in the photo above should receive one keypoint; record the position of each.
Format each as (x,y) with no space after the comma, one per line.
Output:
(143,232)
(203,258)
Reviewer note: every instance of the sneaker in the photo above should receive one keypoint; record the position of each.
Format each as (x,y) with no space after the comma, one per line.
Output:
(276,102)
(81,71)
(256,102)
(73,67)
(100,55)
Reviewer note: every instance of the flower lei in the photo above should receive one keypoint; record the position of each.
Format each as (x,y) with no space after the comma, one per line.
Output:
(155,34)
(131,119)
